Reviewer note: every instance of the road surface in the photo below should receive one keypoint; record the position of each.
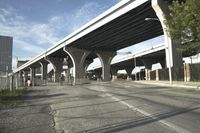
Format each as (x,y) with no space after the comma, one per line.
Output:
(122,106)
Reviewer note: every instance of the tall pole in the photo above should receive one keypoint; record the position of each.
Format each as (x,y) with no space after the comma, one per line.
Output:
(6,77)
(135,68)
(169,67)
(167,41)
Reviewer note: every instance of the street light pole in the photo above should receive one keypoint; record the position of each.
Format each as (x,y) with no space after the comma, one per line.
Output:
(135,68)
(166,49)
(169,60)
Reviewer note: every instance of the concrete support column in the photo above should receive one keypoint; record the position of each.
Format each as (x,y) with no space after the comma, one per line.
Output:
(32,75)
(173,56)
(157,75)
(148,74)
(16,76)
(129,72)
(78,57)
(43,71)
(20,77)
(25,78)
(87,63)
(67,75)
(148,64)
(114,73)
(106,58)
(187,76)
(57,66)
(11,82)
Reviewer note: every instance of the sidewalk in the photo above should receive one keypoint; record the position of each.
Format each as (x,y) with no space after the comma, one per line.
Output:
(194,85)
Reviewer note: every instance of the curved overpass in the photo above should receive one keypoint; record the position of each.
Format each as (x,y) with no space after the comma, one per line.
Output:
(121,26)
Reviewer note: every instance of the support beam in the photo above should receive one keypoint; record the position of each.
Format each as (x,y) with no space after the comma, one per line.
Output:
(32,75)
(16,77)
(78,57)
(157,75)
(106,58)
(57,66)
(148,64)
(20,76)
(148,74)
(11,82)
(129,72)
(25,78)
(173,56)
(187,74)
(87,63)
(43,71)
(114,73)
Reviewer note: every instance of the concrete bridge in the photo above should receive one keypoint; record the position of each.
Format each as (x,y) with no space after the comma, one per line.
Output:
(121,26)
(147,57)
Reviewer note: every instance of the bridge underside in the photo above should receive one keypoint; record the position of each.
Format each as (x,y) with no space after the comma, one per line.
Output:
(128,29)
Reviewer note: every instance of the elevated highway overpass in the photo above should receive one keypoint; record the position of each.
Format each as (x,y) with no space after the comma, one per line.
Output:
(147,57)
(121,26)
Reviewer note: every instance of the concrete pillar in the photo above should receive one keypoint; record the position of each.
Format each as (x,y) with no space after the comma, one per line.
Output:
(87,63)
(147,74)
(148,64)
(57,66)
(187,76)
(11,82)
(43,71)
(67,75)
(21,78)
(114,73)
(106,58)
(25,78)
(78,57)
(157,75)
(16,76)
(173,56)
(129,72)
(32,75)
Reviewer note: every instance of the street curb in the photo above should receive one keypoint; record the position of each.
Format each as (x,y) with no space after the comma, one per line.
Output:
(168,85)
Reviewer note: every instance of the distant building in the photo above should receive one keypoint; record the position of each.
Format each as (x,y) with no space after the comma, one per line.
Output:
(6,46)
(21,62)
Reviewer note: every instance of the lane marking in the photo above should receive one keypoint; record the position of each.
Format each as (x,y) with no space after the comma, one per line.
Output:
(168,124)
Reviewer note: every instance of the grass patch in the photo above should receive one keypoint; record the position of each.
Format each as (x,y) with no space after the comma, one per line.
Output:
(12,98)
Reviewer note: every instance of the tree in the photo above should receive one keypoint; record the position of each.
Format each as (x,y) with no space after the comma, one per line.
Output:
(183,25)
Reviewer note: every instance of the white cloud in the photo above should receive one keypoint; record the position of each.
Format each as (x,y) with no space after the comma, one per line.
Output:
(29,47)
(12,24)
(29,33)
(34,37)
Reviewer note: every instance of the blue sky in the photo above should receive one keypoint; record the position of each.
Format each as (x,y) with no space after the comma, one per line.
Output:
(36,25)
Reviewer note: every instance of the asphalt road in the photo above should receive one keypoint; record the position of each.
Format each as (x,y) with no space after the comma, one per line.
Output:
(122,106)
(127,107)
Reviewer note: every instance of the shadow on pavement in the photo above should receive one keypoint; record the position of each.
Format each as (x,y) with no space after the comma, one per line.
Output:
(116,127)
